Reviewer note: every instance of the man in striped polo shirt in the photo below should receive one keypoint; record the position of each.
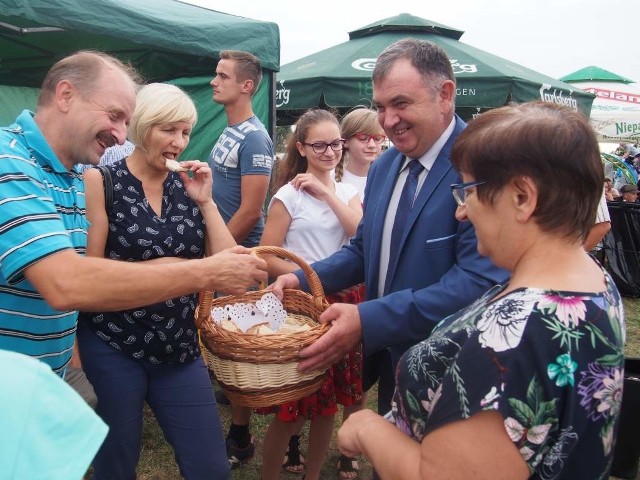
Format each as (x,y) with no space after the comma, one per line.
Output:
(85,105)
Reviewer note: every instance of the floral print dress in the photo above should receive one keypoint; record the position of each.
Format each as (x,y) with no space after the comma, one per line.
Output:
(551,363)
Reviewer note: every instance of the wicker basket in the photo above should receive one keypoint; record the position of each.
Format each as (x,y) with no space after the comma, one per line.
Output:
(261,370)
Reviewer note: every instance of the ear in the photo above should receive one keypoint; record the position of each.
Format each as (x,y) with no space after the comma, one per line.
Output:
(524,196)
(300,148)
(64,94)
(247,86)
(447,91)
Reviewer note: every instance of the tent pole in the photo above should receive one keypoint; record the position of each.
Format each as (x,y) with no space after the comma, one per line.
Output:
(272,106)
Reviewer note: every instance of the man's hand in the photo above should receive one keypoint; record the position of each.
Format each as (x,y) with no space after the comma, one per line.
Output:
(288,280)
(234,270)
(345,333)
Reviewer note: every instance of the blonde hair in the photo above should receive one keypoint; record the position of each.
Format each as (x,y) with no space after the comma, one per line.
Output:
(360,120)
(157,104)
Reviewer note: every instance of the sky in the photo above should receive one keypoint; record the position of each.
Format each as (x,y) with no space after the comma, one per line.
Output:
(552,37)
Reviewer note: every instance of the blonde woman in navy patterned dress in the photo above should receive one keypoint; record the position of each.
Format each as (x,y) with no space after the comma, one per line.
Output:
(151,354)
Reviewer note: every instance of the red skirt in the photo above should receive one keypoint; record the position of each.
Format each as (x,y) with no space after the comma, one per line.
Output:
(343,384)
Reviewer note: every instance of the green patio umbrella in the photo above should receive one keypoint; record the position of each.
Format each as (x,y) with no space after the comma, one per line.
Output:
(595,74)
(340,76)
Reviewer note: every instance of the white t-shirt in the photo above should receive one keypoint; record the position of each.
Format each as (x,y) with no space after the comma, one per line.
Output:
(315,232)
(356,181)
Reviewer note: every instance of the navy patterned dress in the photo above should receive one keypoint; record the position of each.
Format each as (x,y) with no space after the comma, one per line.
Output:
(163,332)
(549,362)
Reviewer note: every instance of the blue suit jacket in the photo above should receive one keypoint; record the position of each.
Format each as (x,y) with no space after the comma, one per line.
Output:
(438,272)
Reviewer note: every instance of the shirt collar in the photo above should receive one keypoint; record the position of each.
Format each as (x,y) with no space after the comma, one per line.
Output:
(37,144)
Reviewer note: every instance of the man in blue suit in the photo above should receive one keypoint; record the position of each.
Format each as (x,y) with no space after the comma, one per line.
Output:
(437,267)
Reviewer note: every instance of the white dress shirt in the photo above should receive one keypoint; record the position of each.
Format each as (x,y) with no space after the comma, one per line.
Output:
(427,160)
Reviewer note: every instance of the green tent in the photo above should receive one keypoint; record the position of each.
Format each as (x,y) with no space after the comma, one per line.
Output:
(340,76)
(166,40)
(595,74)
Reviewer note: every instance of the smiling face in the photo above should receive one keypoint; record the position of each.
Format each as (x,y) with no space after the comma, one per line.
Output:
(99,119)
(321,132)
(412,115)
(363,149)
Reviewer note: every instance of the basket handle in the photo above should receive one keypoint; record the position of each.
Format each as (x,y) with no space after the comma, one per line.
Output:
(311,276)
(203,310)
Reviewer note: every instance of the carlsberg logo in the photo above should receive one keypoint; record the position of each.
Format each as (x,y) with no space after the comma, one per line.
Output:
(282,95)
(365,64)
(557,96)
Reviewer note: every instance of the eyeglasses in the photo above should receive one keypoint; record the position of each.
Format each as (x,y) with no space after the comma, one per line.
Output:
(364,138)
(321,147)
(459,191)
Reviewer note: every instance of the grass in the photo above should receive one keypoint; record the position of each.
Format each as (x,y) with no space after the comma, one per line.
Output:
(157,461)
(632,315)
(632,344)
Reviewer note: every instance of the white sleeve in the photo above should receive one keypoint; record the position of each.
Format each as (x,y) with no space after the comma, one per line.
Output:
(288,196)
(602,214)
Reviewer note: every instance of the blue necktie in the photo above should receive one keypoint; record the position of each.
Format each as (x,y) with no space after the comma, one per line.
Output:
(404,209)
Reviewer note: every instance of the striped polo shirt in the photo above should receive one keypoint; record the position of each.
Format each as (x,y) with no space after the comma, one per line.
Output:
(42,211)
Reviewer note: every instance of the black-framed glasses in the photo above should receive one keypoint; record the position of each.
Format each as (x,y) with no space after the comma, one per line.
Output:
(459,191)
(321,147)
(365,138)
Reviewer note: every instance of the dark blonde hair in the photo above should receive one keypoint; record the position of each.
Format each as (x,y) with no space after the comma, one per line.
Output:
(553,145)
(247,66)
(83,70)
(293,162)
(360,120)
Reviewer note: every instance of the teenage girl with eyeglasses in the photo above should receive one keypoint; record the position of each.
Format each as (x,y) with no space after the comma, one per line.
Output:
(313,216)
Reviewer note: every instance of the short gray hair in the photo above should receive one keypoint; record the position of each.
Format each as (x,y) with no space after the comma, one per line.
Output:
(83,70)
(428,58)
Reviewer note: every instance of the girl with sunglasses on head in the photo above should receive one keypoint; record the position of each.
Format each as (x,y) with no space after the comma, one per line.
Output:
(313,216)
(364,139)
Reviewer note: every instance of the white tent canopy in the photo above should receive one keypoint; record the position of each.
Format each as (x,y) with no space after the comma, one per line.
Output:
(615,113)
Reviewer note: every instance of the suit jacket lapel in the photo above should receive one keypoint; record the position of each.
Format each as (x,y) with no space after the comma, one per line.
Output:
(441,166)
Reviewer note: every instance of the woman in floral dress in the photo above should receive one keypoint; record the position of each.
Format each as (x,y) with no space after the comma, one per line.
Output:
(527,381)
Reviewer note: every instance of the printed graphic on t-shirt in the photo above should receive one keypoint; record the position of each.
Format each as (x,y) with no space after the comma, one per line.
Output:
(225,151)
(263,161)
